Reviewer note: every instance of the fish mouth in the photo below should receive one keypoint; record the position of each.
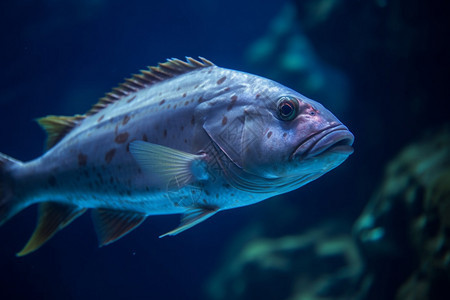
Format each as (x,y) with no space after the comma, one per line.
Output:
(336,139)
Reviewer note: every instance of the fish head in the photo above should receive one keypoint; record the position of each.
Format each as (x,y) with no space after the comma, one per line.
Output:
(275,132)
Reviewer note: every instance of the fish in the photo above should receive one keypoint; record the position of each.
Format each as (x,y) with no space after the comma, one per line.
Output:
(183,137)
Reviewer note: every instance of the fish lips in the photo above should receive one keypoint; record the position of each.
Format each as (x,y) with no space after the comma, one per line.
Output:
(337,139)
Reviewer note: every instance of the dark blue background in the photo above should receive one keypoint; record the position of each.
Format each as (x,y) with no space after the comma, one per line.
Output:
(58,58)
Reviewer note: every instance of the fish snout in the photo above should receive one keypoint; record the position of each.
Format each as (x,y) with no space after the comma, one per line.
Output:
(336,138)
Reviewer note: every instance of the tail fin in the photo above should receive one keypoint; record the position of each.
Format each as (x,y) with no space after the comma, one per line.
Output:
(9,205)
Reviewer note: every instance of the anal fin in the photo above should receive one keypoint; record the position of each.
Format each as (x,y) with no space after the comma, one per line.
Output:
(111,225)
(52,218)
(193,217)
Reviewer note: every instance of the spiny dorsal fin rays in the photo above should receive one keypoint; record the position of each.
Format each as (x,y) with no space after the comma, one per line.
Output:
(52,218)
(58,126)
(169,69)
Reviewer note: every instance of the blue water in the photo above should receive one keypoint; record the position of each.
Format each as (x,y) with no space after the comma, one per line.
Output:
(58,58)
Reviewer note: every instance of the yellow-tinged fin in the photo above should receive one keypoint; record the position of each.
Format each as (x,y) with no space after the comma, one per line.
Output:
(192,217)
(57,127)
(168,167)
(111,225)
(52,218)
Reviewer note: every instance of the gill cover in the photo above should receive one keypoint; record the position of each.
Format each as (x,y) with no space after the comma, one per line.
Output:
(235,132)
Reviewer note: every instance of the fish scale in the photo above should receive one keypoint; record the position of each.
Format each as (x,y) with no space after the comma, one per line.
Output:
(183,137)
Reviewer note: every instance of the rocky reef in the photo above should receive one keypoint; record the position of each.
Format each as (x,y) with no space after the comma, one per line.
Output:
(404,232)
(321,263)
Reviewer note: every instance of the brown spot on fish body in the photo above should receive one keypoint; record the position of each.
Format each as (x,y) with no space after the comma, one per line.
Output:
(100,119)
(109,155)
(224,121)
(200,100)
(131,99)
(82,159)
(284,134)
(162,101)
(257,96)
(193,120)
(144,138)
(126,119)
(175,106)
(233,101)
(269,134)
(182,128)
(186,103)
(184,95)
(165,133)
(121,138)
(226,89)
(168,106)
(221,80)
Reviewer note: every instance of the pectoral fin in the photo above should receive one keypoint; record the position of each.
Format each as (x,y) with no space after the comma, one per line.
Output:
(167,167)
(111,225)
(192,217)
(52,218)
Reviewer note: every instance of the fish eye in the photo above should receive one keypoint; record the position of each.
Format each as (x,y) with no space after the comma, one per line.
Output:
(287,108)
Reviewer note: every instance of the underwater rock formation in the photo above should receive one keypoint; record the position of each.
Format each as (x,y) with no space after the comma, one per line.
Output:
(321,263)
(404,232)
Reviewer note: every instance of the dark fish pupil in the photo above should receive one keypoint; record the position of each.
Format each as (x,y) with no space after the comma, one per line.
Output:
(287,108)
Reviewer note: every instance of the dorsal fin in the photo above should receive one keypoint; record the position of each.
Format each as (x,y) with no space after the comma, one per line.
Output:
(169,69)
(58,126)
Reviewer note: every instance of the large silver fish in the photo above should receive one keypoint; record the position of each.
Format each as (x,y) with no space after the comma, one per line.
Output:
(184,137)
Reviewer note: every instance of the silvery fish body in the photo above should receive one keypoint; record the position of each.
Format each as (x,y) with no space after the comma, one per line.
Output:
(184,137)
